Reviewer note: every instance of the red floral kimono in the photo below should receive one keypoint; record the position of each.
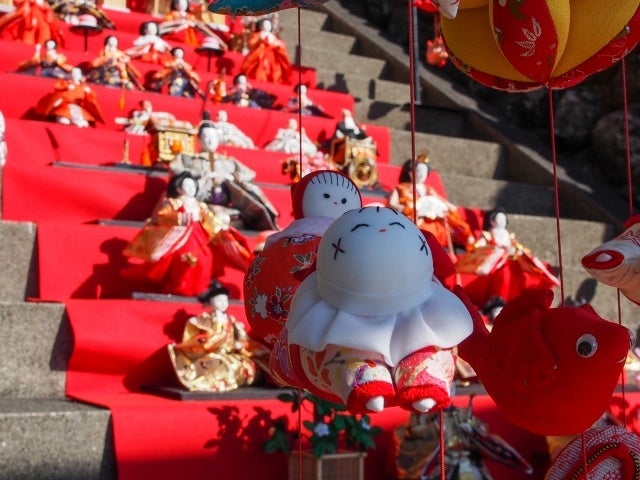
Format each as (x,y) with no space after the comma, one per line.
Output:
(180,256)
(70,100)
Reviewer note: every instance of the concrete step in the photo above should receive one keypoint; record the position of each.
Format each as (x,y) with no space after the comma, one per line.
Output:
(312,39)
(36,345)
(55,439)
(18,262)
(451,154)
(398,116)
(310,20)
(514,197)
(362,87)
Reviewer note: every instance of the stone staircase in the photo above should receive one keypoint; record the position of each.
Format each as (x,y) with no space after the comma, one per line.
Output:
(483,163)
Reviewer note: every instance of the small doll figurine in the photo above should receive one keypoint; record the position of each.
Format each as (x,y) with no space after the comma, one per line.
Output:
(433,212)
(71,11)
(50,64)
(181,247)
(268,59)
(72,102)
(225,183)
(32,21)
(178,76)
(242,94)
(437,54)
(113,68)
(348,128)
(230,134)
(287,140)
(215,354)
(149,47)
(140,120)
(300,102)
(182,26)
(502,265)
(372,326)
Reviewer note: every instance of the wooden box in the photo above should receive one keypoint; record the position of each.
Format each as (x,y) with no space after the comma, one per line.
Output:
(335,466)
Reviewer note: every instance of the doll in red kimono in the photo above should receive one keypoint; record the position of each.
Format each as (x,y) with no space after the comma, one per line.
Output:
(434,213)
(184,245)
(72,102)
(33,21)
(501,265)
(181,25)
(48,63)
(268,59)
(150,47)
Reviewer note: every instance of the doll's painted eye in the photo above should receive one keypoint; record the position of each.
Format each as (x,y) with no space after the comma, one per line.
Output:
(344,200)
(586,345)
(326,195)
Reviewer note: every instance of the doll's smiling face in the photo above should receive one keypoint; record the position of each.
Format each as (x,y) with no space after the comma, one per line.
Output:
(330,195)
(374,250)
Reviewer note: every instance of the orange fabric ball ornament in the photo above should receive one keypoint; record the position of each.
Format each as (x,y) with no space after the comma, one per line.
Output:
(519,45)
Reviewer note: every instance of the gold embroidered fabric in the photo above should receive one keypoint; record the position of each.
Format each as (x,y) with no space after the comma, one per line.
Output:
(215,354)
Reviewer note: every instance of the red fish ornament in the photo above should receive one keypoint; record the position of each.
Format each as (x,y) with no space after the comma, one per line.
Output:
(617,262)
(372,326)
(549,370)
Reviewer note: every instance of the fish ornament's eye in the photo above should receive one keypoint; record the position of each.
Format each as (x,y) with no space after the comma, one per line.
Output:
(586,345)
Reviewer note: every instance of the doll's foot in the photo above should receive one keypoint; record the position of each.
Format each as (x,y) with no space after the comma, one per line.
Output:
(424,405)
(375,404)
(370,397)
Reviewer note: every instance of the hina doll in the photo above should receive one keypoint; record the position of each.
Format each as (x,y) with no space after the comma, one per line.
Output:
(113,68)
(178,77)
(184,245)
(71,11)
(32,21)
(150,47)
(242,94)
(230,134)
(300,102)
(267,59)
(501,266)
(215,354)
(433,212)
(72,102)
(182,26)
(290,139)
(226,183)
(50,63)
(140,121)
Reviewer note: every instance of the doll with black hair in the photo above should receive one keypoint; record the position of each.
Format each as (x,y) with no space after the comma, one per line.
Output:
(433,212)
(267,59)
(48,63)
(177,77)
(181,25)
(215,354)
(242,94)
(112,67)
(150,47)
(184,244)
(226,184)
(300,102)
(501,265)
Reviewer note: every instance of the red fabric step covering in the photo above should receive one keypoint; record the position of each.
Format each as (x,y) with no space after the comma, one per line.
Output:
(261,125)
(197,439)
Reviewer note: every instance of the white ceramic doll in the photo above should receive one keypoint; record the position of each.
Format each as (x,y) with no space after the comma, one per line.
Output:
(372,326)
(289,255)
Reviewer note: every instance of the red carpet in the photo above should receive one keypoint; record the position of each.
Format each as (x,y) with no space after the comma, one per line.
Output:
(88,210)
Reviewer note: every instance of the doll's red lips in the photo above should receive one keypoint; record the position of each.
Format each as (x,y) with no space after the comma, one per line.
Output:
(603,259)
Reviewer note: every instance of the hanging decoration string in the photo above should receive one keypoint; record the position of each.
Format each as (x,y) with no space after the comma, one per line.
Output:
(556,196)
(412,106)
(299,65)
